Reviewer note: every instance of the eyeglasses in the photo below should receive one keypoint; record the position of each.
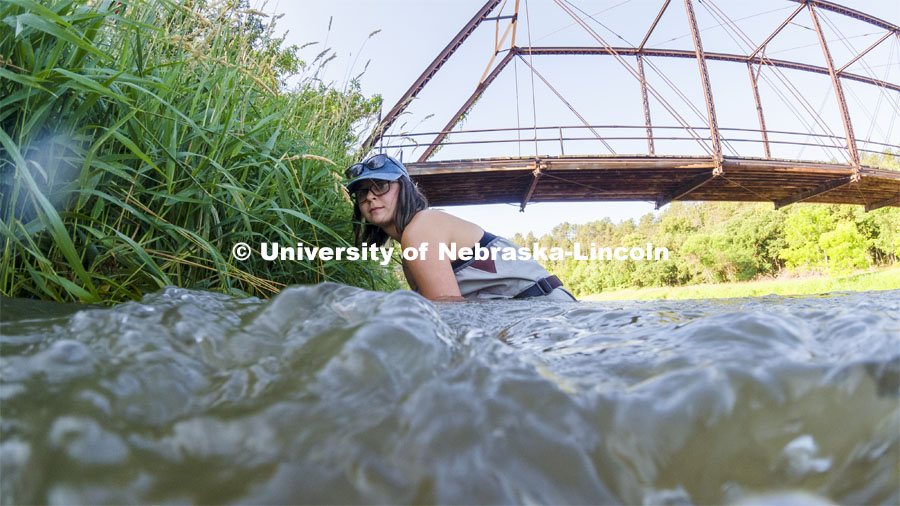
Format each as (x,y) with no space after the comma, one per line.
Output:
(374,163)
(378,189)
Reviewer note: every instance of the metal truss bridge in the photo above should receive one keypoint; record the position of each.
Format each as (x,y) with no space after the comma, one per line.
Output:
(713,163)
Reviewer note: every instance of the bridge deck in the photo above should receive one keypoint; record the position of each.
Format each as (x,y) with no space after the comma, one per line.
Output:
(651,178)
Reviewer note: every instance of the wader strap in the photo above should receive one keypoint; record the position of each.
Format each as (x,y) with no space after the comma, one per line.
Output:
(542,286)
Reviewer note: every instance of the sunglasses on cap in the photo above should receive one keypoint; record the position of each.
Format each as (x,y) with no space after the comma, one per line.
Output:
(378,189)
(374,163)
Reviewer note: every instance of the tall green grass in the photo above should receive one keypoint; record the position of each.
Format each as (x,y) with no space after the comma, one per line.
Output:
(140,140)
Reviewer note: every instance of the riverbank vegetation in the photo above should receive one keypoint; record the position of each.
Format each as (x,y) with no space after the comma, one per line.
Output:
(139,141)
(879,279)
(727,242)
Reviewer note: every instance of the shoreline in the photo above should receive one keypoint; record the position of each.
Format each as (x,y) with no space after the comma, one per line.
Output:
(862,281)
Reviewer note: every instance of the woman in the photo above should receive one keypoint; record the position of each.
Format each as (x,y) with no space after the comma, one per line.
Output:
(393,208)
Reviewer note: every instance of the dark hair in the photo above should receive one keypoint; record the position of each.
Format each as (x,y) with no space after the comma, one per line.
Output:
(410,201)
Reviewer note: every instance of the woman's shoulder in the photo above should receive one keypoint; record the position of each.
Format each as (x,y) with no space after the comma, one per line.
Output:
(426,223)
(427,217)
(436,225)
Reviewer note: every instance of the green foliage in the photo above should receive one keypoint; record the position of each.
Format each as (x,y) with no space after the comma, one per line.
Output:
(882,229)
(141,140)
(880,279)
(845,247)
(887,160)
(803,229)
(726,242)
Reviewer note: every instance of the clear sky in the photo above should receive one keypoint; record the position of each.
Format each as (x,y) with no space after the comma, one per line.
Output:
(386,44)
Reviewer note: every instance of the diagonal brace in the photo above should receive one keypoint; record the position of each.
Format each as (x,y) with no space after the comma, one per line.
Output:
(429,72)
(468,103)
(536,175)
(808,194)
(688,186)
(893,201)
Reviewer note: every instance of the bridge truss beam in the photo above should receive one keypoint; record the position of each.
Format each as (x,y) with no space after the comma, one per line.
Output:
(707,88)
(679,53)
(460,114)
(838,91)
(846,11)
(429,72)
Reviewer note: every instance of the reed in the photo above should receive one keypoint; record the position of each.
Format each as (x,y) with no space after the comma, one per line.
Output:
(140,140)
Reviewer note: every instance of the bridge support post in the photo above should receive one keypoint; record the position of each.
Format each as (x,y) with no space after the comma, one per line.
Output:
(707,89)
(839,92)
(535,176)
(759,110)
(640,63)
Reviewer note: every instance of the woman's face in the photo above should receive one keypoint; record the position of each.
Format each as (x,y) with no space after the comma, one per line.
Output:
(378,209)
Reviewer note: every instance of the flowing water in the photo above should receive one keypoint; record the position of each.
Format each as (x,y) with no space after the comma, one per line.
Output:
(332,394)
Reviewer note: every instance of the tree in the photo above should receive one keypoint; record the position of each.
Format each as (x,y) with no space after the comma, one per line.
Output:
(844,248)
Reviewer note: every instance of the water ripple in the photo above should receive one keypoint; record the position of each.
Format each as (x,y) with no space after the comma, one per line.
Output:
(333,394)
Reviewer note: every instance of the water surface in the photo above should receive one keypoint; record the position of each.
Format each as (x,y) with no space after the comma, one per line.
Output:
(333,394)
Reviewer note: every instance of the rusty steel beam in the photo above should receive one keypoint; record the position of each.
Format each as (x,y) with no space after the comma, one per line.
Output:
(571,108)
(687,187)
(759,110)
(840,9)
(515,23)
(496,31)
(894,201)
(807,194)
(838,90)
(596,36)
(860,55)
(679,53)
(496,49)
(429,72)
(777,31)
(535,175)
(707,88)
(498,18)
(653,26)
(468,103)
(640,62)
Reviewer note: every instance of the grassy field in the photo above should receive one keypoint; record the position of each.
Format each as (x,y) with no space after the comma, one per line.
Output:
(885,279)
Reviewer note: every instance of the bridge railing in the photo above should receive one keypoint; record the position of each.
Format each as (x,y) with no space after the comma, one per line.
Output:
(560,137)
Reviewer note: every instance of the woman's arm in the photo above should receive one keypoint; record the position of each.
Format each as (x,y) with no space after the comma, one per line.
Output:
(410,280)
(432,276)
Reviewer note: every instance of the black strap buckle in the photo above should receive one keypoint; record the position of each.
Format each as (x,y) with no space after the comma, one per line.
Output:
(540,287)
(544,285)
